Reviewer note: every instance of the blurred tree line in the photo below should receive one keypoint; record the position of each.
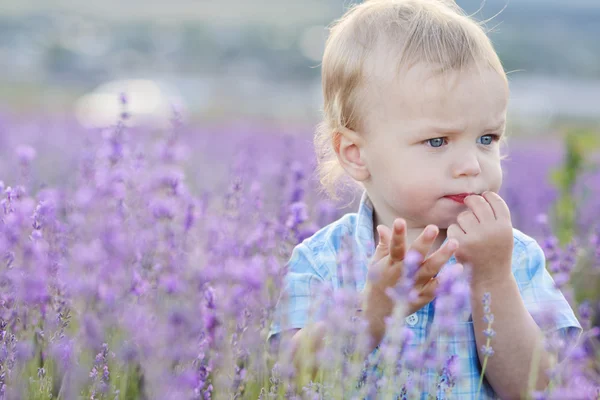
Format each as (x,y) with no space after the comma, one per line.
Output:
(556,38)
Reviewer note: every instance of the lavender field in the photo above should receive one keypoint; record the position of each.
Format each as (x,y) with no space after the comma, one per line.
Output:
(137,263)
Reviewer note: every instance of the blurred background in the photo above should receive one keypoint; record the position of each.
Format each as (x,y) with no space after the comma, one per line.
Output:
(240,72)
(244,76)
(242,60)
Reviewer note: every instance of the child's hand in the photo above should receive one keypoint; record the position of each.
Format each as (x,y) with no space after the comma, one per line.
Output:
(485,235)
(386,269)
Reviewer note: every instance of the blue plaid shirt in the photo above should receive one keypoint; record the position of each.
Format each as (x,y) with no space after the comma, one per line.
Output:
(315,261)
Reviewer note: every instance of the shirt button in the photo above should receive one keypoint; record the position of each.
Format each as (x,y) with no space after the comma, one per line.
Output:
(412,319)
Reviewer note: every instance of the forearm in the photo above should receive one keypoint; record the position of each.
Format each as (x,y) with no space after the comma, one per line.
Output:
(518,340)
(377,307)
(307,342)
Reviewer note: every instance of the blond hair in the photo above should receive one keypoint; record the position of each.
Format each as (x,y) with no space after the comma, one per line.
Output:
(436,32)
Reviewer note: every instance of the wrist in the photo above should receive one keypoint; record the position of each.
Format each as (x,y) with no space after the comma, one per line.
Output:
(488,284)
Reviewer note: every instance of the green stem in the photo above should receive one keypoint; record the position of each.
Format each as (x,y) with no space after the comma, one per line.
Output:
(62,386)
(485,360)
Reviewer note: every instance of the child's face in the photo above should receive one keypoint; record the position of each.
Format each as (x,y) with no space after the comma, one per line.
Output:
(433,137)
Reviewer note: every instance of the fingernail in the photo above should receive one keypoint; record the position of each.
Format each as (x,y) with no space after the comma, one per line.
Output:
(452,245)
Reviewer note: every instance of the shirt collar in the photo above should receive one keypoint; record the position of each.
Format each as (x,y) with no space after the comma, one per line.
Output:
(364,226)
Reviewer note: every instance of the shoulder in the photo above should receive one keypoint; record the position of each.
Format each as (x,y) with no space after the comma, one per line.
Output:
(329,237)
(525,245)
(528,257)
(324,245)
(523,240)
(542,298)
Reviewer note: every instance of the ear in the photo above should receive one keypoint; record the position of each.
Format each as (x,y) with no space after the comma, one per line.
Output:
(349,148)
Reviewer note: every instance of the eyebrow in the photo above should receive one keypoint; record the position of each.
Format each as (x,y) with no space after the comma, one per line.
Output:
(455,130)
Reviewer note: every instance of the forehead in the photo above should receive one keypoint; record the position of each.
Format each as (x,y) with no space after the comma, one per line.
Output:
(419,96)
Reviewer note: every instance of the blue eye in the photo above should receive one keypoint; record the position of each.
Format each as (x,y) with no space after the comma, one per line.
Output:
(437,142)
(486,139)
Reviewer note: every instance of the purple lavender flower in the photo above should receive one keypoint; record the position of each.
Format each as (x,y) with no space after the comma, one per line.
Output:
(487,351)
(26,154)
(124,243)
(585,314)
(298,214)
(448,376)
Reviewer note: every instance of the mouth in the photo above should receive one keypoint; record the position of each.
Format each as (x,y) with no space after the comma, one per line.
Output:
(459,198)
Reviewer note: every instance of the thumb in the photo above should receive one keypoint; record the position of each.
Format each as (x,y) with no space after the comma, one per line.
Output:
(383,247)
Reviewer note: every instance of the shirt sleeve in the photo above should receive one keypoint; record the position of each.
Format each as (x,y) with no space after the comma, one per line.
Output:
(543,300)
(299,292)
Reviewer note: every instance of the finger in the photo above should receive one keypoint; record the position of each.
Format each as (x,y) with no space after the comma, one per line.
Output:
(423,243)
(398,241)
(429,290)
(455,231)
(383,247)
(498,205)
(467,221)
(480,207)
(434,263)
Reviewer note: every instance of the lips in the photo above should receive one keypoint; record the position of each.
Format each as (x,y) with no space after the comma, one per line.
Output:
(459,198)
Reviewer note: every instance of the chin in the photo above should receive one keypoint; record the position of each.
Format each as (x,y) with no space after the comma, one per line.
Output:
(444,223)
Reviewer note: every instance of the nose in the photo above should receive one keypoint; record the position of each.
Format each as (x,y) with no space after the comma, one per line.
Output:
(466,164)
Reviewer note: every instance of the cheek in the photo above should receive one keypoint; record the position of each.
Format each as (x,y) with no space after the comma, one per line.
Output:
(380,159)
(390,167)
(415,179)
(496,177)
(415,192)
